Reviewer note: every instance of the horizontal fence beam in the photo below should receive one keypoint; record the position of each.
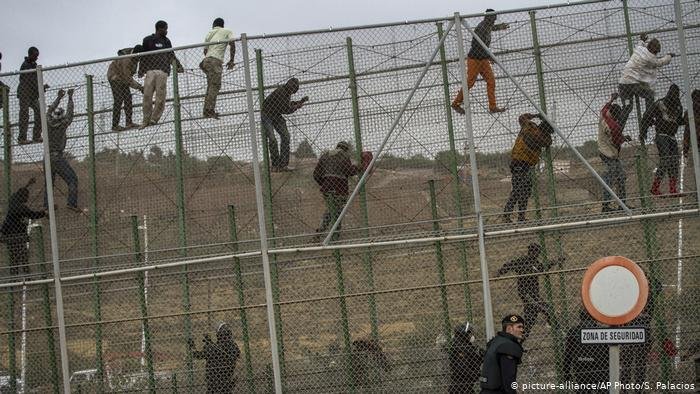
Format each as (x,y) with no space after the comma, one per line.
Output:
(403,242)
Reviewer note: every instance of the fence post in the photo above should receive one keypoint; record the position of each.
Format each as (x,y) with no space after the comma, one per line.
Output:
(649,226)
(233,236)
(453,170)
(7,141)
(11,345)
(340,284)
(440,266)
(138,259)
(272,325)
(58,289)
(48,321)
(269,212)
(182,225)
(486,285)
(689,100)
(93,232)
(556,326)
(357,128)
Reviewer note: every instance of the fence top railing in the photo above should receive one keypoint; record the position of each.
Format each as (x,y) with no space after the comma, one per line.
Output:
(308,32)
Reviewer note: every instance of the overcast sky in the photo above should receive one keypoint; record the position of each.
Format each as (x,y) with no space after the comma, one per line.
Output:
(67,31)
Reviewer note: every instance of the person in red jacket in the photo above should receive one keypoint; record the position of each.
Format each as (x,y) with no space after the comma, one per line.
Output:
(610,140)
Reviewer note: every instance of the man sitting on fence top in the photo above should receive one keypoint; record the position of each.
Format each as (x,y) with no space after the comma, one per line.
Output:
(156,68)
(120,75)
(275,104)
(479,62)
(58,121)
(212,65)
(640,72)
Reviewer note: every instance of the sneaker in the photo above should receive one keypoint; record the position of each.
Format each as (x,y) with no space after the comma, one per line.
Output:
(458,108)
(144,125)
(74,209)
(496,110)
(606,208)
(118,128)
(130,126)
(212,115)
(24,142)
(286,169)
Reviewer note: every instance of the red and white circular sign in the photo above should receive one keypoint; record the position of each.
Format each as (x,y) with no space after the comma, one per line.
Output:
(614,290)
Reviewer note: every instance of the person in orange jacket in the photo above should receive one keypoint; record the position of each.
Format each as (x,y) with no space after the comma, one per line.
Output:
(525,155)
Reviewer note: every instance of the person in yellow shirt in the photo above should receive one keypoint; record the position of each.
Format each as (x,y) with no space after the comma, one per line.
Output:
(212,65)
(525,155)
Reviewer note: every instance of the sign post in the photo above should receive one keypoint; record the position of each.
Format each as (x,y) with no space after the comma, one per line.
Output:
(614,292)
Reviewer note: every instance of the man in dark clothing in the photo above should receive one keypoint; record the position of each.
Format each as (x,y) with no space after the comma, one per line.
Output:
(156,69)
(666,115)
(120,75)
(276,104)
(367,362)
(686,133)
(585,364)
(28,95)
(503,354)
(479,63)
(528,268)
(465,360)
(14,228)
(221,360)
(524,156)
(331,173)
(58,121)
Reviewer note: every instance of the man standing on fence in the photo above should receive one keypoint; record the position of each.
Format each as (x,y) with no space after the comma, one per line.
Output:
(528,268)
(479,62)
(525,155)
(14,228)
(120,75)
(640,72)
(610,140)
(221,357)
(28,95)
(58,121)
(331,173)
(156,68)
(504,352)
(212,65)
(666,115)
(276,104)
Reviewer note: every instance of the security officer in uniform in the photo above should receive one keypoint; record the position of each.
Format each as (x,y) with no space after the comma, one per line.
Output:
(465,360)
(503,354)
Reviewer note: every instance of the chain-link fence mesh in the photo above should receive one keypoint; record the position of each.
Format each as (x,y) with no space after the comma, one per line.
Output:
(157,240)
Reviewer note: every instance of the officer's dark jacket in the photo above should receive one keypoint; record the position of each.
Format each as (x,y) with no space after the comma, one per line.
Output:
(500,369)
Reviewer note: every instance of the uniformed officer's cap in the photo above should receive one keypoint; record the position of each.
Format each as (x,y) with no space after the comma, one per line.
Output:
(513,319)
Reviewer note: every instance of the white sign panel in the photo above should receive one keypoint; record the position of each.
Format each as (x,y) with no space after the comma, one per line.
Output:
(613,336)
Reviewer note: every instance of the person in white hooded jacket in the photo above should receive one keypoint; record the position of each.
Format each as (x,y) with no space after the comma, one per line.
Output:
(640,72)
